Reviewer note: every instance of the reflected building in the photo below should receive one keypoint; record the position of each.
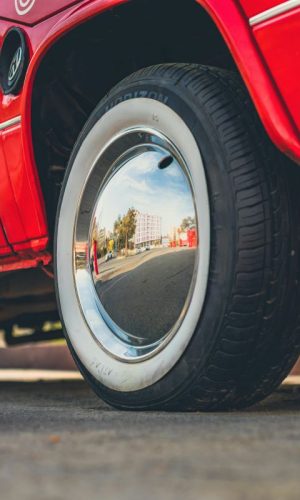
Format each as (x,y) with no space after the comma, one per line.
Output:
(148,230)
(102,238)
(165,241)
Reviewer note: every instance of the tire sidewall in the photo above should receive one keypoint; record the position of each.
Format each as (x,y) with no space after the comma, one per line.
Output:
(197,353)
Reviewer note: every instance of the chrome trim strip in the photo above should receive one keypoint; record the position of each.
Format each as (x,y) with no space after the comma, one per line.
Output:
(9,123)
(274,11)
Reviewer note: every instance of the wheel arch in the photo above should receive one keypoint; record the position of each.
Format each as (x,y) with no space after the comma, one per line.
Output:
(237,44)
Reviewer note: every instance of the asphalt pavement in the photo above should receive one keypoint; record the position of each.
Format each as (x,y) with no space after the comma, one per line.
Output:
(59,442)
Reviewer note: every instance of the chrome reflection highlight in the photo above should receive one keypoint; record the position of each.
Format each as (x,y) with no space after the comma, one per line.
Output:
(136,245)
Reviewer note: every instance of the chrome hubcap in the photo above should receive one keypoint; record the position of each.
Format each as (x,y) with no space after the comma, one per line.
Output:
(136,244)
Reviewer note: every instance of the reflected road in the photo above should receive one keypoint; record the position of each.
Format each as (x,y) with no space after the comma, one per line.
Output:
(151,289)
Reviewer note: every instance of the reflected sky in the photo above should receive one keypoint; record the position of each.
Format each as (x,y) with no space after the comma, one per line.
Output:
(142,185)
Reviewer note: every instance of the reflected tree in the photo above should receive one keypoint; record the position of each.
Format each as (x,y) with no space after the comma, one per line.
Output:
(124,228)
(187,222)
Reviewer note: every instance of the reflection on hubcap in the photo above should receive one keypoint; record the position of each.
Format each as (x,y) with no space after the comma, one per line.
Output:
(136,244)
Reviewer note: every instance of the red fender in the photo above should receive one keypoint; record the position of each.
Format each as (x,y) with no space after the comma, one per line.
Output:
(245,51)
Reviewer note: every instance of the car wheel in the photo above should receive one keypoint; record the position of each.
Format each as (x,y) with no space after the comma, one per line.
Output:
(175,159)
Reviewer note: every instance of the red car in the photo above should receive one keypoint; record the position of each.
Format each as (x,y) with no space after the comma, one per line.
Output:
(124,124)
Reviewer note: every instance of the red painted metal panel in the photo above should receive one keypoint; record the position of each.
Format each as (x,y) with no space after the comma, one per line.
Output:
(24,221)
(253,7)
(4,247)
(9,211)
(234,27)
(32,11)
(280,45)
(36,245)
(24,261)
(24,183)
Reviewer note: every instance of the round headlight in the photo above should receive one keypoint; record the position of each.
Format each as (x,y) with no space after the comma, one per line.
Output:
(13,61)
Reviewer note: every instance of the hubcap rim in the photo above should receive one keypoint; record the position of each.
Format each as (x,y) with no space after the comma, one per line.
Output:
(124,266)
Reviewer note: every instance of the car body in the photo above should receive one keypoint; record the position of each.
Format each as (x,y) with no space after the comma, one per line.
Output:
(108,256)
(60,58)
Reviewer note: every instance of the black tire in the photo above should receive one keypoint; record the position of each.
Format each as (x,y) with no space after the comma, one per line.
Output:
(247,338)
